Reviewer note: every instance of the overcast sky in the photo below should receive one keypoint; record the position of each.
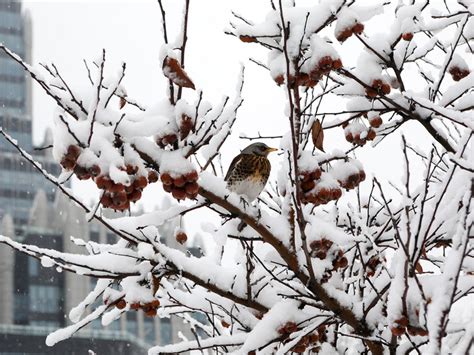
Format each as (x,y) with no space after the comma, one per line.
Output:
(66,32)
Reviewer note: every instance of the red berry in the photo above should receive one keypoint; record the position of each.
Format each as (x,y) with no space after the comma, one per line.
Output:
(376,122)
(168,188)
(166,179)
(337,64)
(106,200)
(179,194)
(343,35)
(192,188)
(131,169)
(121,304)
(386,89)
(191,176)
(120,198)
(103,182)
(316,174)
(179,181)
(94,170)
(325,64)
(398,331)
(152,176)
(117,187)
(324,194)
(67,163)
(73,151)
(155,303)
(151,312)
(336,193)
(307,185)
(349,137)
(358,28)
(135,195)
(140,182)
(407,36)
(371,135)
(181,237)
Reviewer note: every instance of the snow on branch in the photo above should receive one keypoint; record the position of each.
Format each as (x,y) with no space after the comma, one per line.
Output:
(329,258)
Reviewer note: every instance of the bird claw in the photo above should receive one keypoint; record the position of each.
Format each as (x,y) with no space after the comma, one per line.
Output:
(244,202)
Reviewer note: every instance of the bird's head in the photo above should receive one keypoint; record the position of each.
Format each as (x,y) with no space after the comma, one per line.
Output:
(260,149)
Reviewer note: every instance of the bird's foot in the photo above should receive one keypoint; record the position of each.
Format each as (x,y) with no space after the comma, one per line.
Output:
(244,202)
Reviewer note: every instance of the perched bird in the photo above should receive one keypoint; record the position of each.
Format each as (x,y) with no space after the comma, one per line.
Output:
(249,171)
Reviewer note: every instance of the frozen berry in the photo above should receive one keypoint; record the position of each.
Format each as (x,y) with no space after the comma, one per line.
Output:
(152,176)
(358,28)
(140,182)
(371,135)
(407,36)
(337,64)
(135,195)
(73,151)
(121,304)
(181,237)
(94,170)
(192,188)
(166,179)
(178,193)
(179,181)
(191,176)
(375,122)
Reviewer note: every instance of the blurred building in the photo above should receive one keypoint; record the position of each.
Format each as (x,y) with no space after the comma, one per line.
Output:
(34,300)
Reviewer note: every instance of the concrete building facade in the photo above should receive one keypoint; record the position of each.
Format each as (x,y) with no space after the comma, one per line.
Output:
(35,300)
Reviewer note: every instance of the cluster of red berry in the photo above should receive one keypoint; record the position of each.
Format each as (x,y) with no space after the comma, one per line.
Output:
(378,87)
(69,162)
(149,308)
(308,341)
(167,139)
(349,31)
(458,73)
(359,133)
(182,186)
(323,67)
(312,193)
(372,264)
(119,196)
(185,126)
(321,249)
(402,325)
(353,180)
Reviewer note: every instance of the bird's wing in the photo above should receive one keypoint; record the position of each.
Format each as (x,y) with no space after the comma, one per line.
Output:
(232,166)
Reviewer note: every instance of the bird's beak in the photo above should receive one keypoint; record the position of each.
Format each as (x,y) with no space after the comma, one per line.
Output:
(269,150)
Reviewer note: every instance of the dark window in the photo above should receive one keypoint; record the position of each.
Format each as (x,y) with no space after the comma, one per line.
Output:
(165,331)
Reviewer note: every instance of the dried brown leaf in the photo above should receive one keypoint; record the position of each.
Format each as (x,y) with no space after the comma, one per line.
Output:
(173,71)
(317,134)
(418,268)
(122,102)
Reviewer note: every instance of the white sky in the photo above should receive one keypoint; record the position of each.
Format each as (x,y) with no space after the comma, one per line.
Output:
(65,32)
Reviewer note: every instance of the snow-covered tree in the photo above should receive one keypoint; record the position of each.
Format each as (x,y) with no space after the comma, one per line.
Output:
(329,261)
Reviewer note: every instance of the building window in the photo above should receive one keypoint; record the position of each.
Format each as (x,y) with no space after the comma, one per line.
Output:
(149,330)
(50,324)
(44,299)
(132,325)
(165,331)
(33,267)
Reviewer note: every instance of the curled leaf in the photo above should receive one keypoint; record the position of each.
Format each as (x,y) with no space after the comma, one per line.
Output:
(173,71)
(318,135)
(122,102)
(247,39)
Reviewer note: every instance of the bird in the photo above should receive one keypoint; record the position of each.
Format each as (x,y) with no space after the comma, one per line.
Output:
(249,171)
